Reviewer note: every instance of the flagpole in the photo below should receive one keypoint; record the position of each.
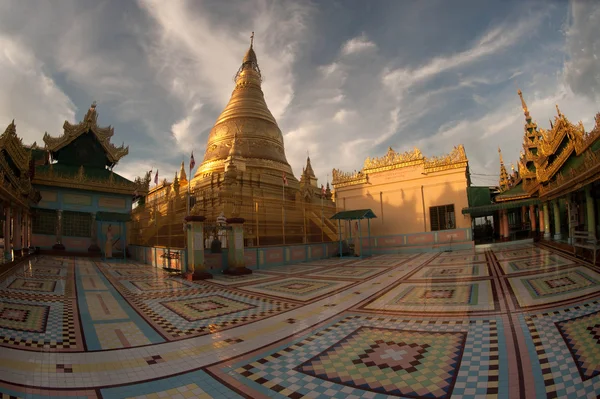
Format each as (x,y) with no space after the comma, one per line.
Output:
(322,219)
(283,209)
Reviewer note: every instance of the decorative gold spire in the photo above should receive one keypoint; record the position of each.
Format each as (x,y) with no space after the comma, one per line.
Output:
(525,109)
(309,169)
(558,111)
(258,139)
(504,181)
(234,151)
(182,175)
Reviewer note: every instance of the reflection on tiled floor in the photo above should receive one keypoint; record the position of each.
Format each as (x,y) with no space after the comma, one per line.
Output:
(519,321)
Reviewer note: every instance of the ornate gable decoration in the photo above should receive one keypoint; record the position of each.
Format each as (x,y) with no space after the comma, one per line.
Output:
(89,123)
(14,147)
(393,160)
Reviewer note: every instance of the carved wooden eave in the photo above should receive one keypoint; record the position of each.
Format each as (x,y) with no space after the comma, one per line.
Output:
(18,189)
(587,172)
(82,182)
(89,123)
(393,160)
(13,145)
(513,198)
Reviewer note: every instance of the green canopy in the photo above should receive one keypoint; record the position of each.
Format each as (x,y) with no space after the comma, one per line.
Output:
(487,209)
(354,215)
(478,196)
(113,217)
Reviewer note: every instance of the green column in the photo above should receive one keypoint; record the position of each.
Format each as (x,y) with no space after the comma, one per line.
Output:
(235,250)
(556,210)
(547,234)
(591,216)
(195,248)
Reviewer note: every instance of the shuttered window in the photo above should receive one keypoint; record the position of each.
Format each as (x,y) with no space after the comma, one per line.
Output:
(76,224)
(44,222)
(442,217)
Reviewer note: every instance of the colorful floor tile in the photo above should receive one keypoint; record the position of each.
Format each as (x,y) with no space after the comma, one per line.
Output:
(546,288)
(458,259)
(518,321)
(349,272)
(538,263)
(302,289)
(451,272)
(436,297)
(223,279)
(360,356)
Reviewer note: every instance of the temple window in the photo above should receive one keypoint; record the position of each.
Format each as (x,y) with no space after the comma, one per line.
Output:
(44,222)
(76,224)
(442,217)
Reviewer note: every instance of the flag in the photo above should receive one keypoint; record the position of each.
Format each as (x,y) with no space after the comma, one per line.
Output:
(322,189)
(284,179)
(156,177)
(192,162)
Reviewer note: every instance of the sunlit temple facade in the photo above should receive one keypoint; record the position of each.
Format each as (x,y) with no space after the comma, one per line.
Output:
(409,193)
(244,173)
(553,192)
(17,194)
(64,196)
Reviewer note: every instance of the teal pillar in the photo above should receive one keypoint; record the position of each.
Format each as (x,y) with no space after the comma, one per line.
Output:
(196,269)
(589,210)
(235,251)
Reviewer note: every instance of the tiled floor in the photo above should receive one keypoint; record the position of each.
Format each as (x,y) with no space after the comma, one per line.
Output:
(520,321)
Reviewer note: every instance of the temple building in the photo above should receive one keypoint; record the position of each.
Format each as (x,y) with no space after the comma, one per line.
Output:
(17,195)
(244,173)
(553,191)
(83,202)
(408,192)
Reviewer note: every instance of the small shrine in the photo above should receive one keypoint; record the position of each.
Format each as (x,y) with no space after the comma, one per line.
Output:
(84,204)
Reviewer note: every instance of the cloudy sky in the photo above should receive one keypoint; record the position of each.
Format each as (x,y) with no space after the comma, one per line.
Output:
(344,79)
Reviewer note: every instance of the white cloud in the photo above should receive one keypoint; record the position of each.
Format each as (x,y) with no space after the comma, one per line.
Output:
(358,45)
(29,95)
(582,69)
(493,41)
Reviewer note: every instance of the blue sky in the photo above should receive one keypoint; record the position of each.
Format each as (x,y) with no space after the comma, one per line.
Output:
(344,79)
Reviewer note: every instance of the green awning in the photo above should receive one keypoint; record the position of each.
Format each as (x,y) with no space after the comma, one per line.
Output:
(354,215)
(488,209)
(479,196)
(113,217)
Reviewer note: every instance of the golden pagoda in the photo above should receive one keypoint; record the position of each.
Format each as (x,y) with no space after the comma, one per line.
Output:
(247,118)
(244,174)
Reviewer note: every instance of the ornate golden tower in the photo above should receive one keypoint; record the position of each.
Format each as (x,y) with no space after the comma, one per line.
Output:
(504,179)
(259,142)
(245,172)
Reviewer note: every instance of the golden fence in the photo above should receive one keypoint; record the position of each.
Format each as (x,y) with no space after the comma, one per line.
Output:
(269,221)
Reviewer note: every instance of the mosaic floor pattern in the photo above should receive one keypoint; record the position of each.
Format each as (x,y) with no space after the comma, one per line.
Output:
(520,321)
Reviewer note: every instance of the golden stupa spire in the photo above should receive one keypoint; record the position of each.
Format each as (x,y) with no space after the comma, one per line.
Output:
(504,182)
(246,127)
(182,175)
(525,109)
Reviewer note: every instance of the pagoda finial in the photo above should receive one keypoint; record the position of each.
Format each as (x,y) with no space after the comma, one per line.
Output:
(182,175)
(93,104)
(252,39)
(523,105)
(504,181)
